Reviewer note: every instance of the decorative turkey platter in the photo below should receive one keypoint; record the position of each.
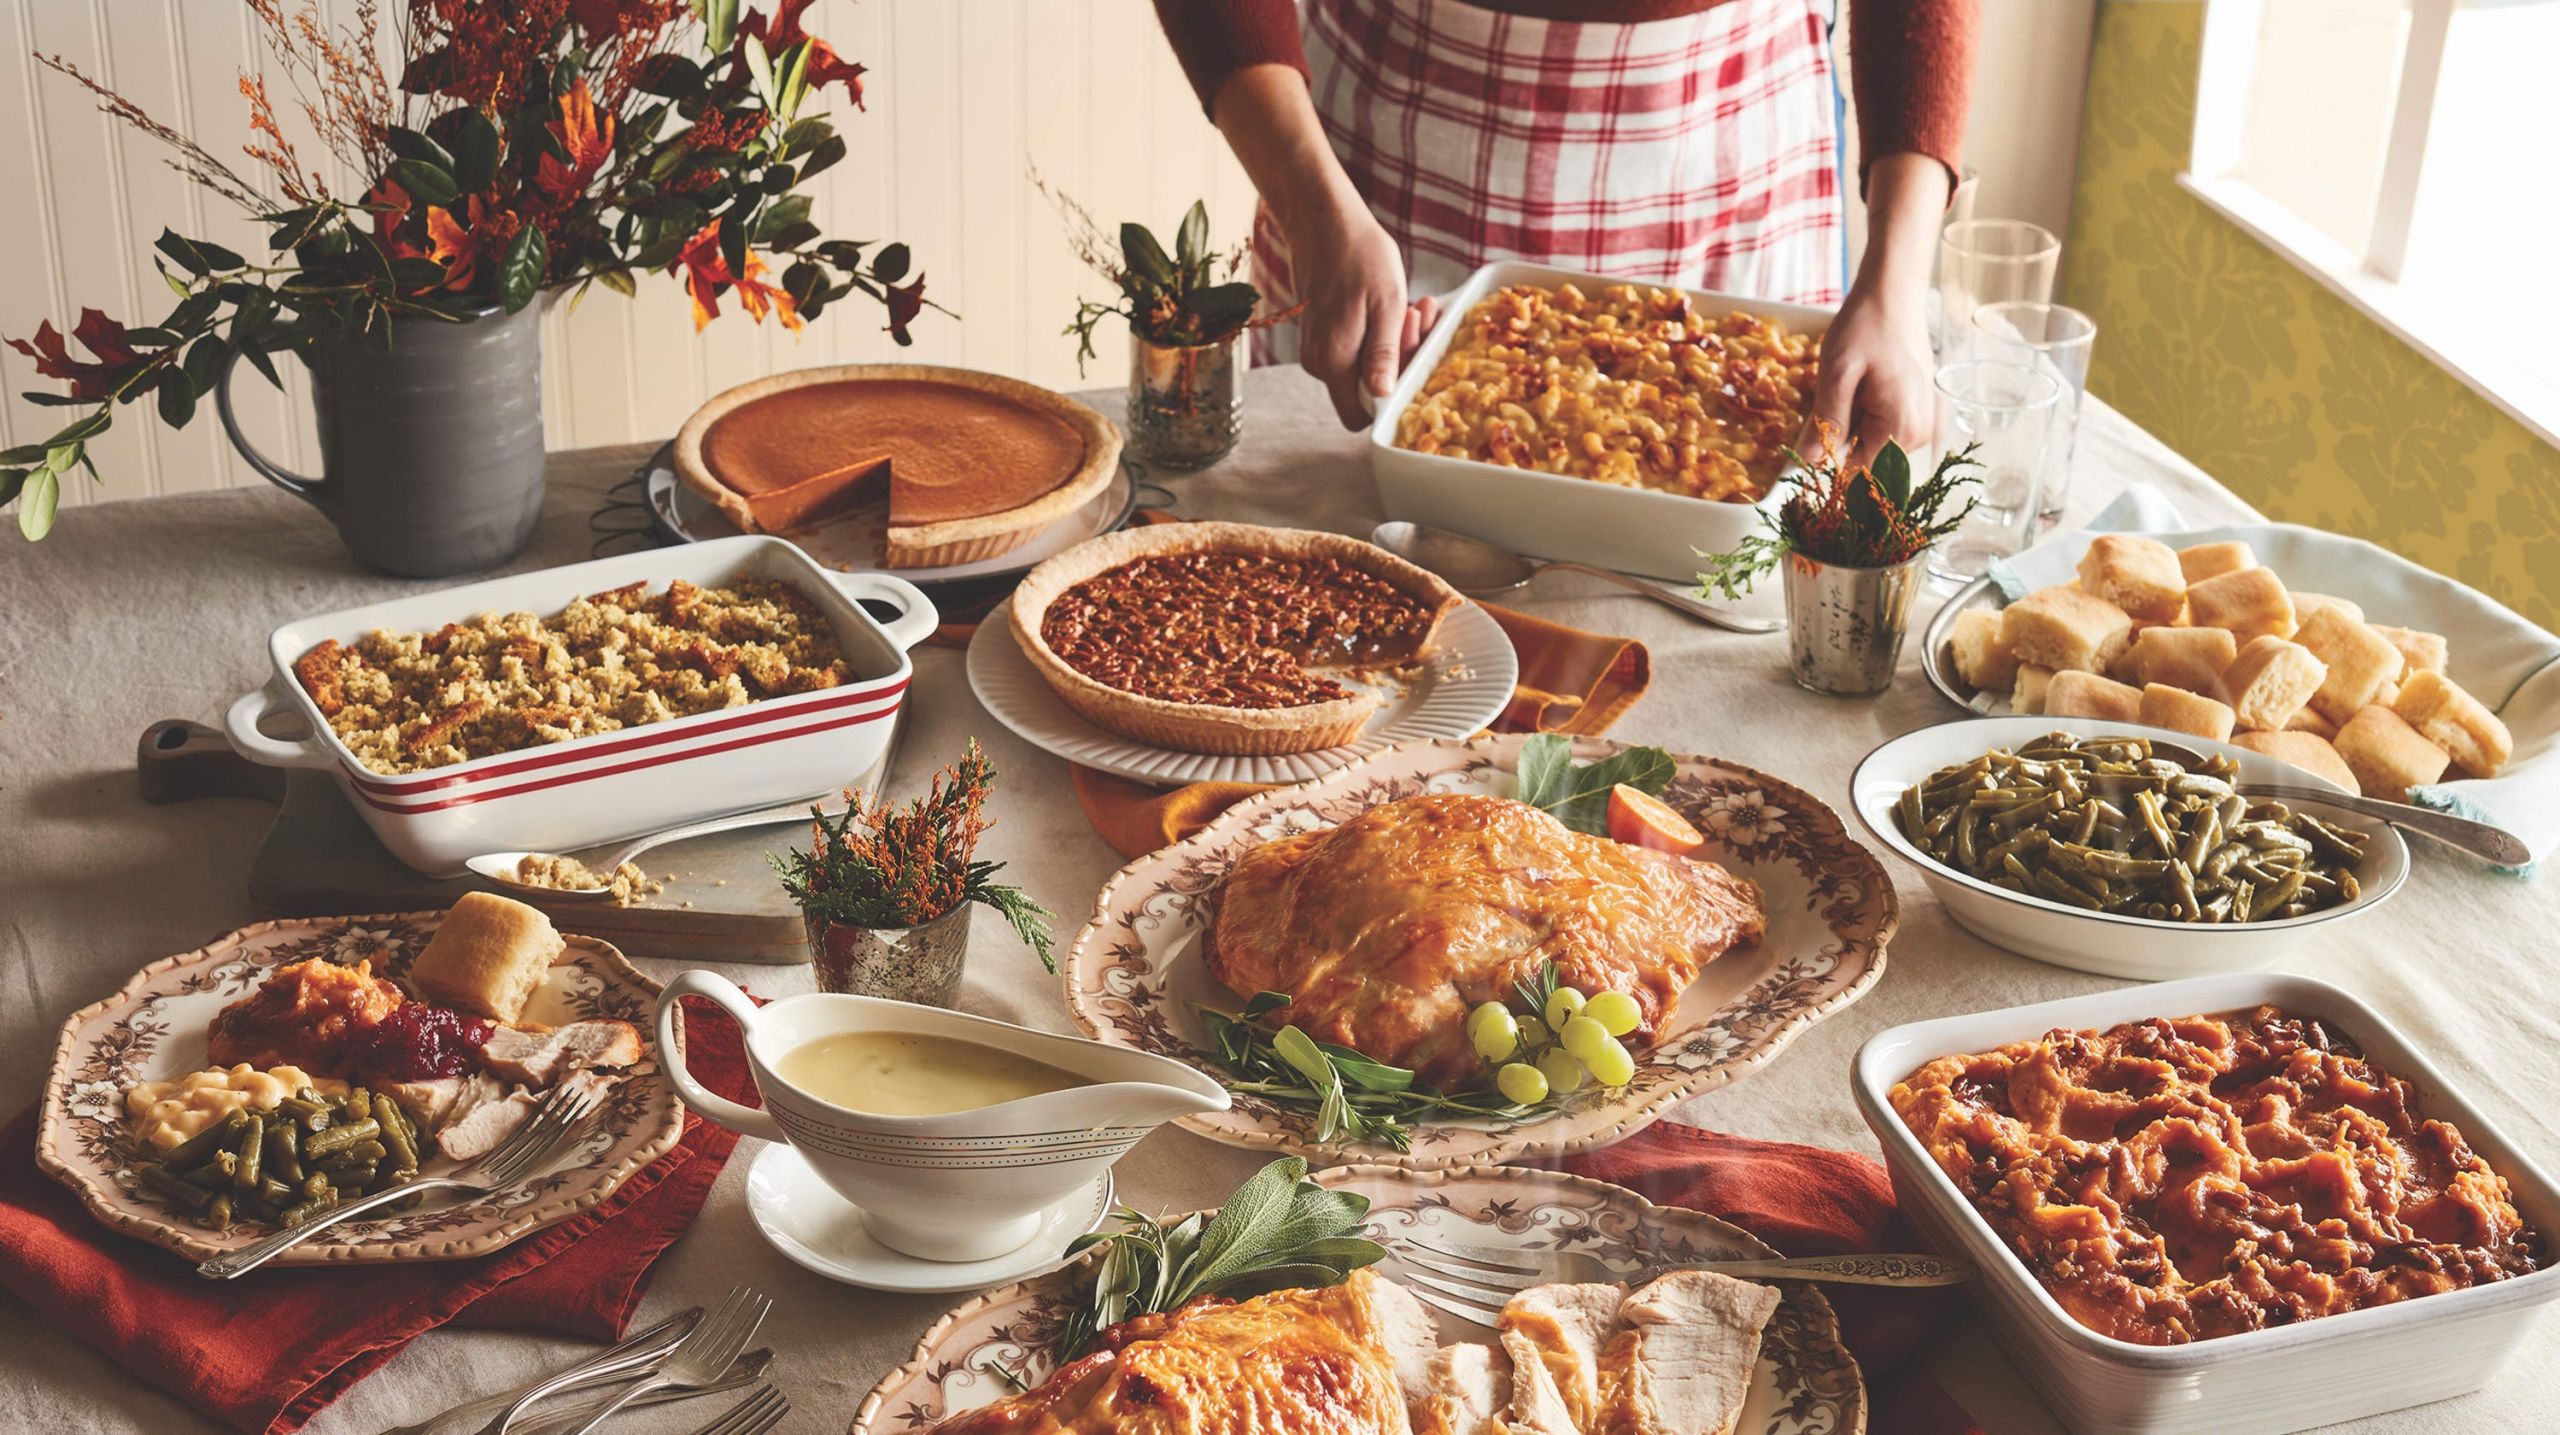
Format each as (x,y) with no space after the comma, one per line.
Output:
(1805,1382)
(1136,977)
(154,1030)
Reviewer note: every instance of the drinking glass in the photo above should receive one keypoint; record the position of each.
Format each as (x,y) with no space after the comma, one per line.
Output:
(2058,338)
(2005,410)
(1983,261)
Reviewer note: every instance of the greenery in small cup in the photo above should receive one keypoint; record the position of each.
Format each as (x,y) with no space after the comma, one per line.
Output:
(1180,300)
(1871,517)
(885,867)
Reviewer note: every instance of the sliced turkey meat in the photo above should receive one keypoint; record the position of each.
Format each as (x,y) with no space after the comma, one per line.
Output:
(539,1056)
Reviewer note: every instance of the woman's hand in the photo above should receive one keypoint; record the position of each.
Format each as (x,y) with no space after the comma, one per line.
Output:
(1357,328)
(1878,380)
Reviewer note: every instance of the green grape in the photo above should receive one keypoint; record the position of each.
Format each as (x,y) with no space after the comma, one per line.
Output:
(1534,1033)
(1562,1006)
(1492,1031)
(1562,1070)
(1616,1012)
(1521,1084)
(1611,1065)
(1584,1037)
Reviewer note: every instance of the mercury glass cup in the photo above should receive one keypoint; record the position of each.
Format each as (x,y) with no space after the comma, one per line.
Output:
(2059,339)
(1986,261)
(2005,410)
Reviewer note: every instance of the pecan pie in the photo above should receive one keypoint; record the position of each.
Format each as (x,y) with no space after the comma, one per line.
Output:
(1226,637)
(971,465)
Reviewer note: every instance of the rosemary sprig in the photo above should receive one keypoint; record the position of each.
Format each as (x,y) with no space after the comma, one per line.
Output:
(1354,1097)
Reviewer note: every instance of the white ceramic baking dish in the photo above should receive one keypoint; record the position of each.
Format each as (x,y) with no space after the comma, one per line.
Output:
(575,794)
(2264,1382)
(1634,530)
(2103,942)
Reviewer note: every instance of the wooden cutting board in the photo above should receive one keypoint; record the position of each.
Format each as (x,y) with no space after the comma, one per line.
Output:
(722,903)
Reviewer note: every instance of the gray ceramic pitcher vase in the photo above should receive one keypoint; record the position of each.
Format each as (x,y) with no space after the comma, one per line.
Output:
(431,452)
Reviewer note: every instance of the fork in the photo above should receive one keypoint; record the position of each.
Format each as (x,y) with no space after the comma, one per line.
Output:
(1491,1275)
(705,1354)
(610,1366)
(544,1135)
(750,1370)
(752,1416)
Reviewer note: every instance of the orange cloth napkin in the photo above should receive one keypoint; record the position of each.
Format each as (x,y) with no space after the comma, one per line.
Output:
(268,1351)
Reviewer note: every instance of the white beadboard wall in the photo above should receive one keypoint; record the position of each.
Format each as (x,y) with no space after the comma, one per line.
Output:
(964,96)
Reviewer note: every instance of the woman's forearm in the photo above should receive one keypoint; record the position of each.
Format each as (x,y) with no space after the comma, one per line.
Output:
(1906,202)
(1270,123)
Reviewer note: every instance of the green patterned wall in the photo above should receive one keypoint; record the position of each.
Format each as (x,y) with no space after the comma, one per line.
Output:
(2264,378)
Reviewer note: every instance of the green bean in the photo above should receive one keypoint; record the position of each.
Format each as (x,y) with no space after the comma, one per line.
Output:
(340,1137)
(165,1182)
(301,1212)
(200,1147)
(284,1157)
(2275,897)
(397,1138)
(217,1214)
(251,1151)
(214,1173)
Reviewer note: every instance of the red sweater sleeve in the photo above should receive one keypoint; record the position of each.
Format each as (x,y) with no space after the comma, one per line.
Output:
(1215,38)
(1911,74)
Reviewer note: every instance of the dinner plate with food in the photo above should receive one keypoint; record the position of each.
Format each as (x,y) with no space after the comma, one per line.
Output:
(1233,652)
(258,1083)
(1568,415)
(1457,952)
(1319,1274)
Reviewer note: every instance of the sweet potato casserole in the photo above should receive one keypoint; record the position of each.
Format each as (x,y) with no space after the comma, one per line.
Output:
(407,702)
(1631,387)
(2174,1180)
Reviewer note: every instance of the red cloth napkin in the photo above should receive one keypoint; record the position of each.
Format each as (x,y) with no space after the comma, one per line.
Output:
(268,1351)
(1805,1201)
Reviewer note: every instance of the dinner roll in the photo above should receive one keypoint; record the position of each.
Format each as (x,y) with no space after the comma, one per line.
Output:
(487,956)
(2028,697)
(2270,681)
(2308,719)
(2078,694)
(2181,711)
(1981,658)
(2212,560)
(2456,721)
(2361,661)
(2387,755)
(2251,603)
(2139,575)
(2307,751)
(2061,628)
(2306,604)
(2190,658)
(2417,649)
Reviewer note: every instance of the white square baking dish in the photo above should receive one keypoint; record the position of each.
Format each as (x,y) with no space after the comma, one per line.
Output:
(1634,530)
(570,795)
(2264,1382)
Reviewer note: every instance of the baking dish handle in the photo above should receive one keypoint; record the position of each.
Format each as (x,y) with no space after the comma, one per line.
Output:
(916,618)
(240,724)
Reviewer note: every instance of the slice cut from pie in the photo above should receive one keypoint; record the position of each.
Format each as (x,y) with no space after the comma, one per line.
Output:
(1227,638)
(972,465)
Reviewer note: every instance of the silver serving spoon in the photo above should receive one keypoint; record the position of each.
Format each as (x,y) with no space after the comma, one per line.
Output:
(1480,569)
(501,867)
(2489,844)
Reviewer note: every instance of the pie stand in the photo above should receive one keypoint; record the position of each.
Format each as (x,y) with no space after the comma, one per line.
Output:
(100,884)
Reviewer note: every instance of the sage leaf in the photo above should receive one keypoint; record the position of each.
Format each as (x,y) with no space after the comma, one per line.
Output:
(36,503)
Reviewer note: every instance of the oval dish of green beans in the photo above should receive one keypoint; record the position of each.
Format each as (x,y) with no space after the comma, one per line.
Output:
(281,1167)
(2103,825)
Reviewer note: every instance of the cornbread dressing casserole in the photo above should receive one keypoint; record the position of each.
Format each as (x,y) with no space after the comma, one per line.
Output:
(2179,1179)
(407,702)
(1632,387)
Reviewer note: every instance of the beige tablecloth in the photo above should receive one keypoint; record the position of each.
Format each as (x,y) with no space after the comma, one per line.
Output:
(146,610)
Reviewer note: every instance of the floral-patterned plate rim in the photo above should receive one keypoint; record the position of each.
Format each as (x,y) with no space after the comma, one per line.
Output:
(154,1028)
(1805,1382)
(1135,975)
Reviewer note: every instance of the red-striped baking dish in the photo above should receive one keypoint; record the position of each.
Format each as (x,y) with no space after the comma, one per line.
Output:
(576,794)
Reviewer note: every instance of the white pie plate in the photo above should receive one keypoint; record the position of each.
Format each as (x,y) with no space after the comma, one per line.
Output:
(1804,1383)
(1465,684)
(1135,976)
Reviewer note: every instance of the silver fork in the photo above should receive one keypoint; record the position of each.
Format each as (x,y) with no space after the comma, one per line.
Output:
(544,1135)
(705,1354)
(1474,1282)
(750,1370)
(752,1416)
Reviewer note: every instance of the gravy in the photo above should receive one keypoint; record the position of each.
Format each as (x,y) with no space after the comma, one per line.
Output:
(896,1073)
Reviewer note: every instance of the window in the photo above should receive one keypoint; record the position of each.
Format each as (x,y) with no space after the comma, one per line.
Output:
(2407,154)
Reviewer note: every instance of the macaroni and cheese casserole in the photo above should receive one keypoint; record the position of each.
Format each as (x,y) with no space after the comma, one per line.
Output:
(406,702)
(2178,1179)
(1630,386)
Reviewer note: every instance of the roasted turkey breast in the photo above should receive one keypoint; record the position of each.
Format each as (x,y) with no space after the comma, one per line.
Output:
(1384,931)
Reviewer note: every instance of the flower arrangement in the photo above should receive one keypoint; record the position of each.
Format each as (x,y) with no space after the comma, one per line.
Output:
(527,146)
(1871,517)
(877,866)
(1181,300)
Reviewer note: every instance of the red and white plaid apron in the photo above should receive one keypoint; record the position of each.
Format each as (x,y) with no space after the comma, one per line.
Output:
(1699,151)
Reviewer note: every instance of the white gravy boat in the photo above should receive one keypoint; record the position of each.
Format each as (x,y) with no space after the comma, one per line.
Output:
(965,1186)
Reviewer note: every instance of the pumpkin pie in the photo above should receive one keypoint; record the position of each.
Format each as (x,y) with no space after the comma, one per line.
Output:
(1227,638)
(971,465)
